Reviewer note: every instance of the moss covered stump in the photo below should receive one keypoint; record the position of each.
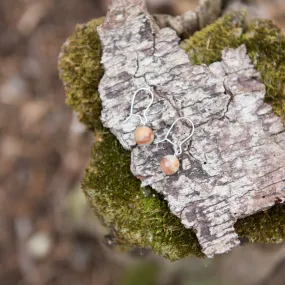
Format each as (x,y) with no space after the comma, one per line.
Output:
(139,216)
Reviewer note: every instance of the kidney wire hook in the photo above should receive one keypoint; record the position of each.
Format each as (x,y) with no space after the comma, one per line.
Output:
(178,148)
(143,119)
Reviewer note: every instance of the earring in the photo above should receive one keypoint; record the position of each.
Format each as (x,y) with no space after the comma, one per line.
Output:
(170,163)
(143,135)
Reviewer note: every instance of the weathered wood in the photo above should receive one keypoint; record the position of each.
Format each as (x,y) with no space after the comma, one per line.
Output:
(234,165)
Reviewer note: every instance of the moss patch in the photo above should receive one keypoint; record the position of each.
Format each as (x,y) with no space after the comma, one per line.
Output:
(266,47)
(263,227)
(206,46)
(139,216)
(81,71)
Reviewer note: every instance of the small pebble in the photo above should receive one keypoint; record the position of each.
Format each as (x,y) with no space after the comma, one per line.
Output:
(39,245)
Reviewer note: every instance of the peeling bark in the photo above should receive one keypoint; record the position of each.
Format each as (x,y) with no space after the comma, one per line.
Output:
(234,164)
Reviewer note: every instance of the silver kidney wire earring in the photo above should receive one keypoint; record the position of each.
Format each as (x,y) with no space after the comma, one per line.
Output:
(143,135)
(170,163)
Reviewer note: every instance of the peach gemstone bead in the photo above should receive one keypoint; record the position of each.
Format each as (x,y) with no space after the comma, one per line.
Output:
(144,135)
(169,164)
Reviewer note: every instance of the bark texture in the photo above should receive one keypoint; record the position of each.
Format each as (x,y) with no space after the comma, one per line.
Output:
(234,164)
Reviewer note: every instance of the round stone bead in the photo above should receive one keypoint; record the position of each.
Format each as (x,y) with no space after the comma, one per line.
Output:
(169,164)
(144,135)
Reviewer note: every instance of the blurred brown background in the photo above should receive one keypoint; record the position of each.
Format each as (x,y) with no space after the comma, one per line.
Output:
(48,234)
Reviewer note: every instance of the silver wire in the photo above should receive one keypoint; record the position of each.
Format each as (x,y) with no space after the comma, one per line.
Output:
(145,111)
(178,148)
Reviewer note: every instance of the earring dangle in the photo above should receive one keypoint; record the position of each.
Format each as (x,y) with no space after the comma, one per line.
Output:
(143,135)
(170,163)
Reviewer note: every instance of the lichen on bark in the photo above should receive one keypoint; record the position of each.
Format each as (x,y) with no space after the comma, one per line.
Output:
(138,217)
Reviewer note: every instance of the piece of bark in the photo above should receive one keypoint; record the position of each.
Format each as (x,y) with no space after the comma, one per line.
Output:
(234,164)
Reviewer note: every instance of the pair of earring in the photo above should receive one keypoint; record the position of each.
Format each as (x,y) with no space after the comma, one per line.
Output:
(144,136)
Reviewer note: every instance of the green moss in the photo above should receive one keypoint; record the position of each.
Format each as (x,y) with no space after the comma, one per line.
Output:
(81,70)
(141,217)
(206,46)
(264,227)
(266,47)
